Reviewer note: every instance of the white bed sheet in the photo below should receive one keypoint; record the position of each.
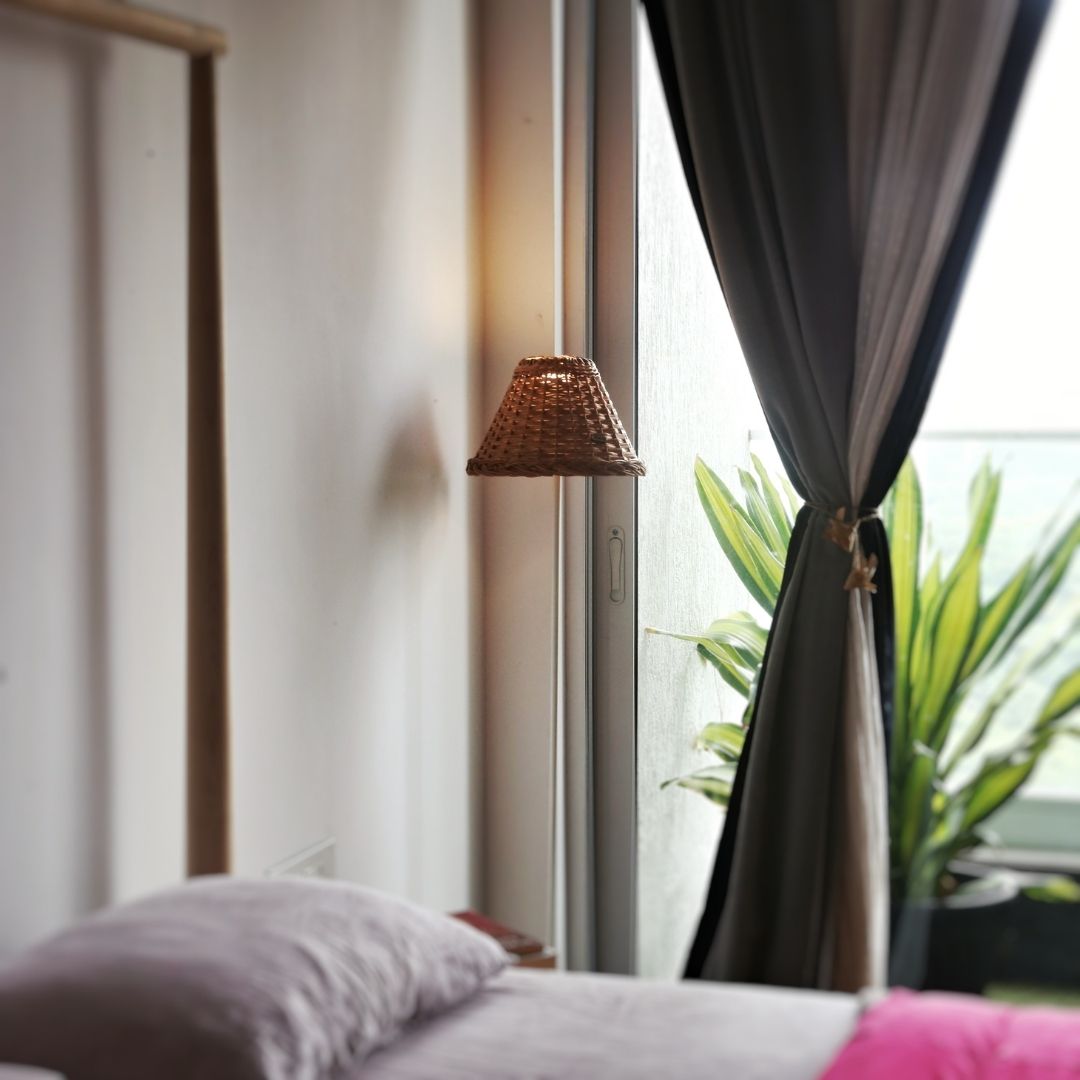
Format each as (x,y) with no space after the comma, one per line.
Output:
(546,1024)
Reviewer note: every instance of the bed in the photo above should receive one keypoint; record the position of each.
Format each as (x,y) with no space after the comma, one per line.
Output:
(552,1024)
(231,979)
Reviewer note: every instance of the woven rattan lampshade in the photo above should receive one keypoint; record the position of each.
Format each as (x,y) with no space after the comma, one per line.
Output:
(556,420)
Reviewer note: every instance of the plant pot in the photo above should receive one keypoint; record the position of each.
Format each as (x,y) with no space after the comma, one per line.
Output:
(952,943)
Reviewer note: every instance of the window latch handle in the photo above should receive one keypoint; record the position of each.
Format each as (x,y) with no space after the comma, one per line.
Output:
(617,565)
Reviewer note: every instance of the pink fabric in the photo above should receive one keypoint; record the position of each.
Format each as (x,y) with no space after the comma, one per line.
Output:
(953,1037)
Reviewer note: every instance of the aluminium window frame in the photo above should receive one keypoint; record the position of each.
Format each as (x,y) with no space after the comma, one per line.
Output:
(614,499)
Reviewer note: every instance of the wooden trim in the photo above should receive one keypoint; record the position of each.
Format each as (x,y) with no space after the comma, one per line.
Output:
(208,743)
(157,27)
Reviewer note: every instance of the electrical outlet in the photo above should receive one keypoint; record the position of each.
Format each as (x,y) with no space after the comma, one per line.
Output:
(316,861)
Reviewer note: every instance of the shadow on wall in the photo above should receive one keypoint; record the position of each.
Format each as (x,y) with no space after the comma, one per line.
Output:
(412,500)
(413,483)
(409,510)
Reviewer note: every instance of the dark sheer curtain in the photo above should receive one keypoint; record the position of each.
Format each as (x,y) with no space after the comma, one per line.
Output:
(840,155)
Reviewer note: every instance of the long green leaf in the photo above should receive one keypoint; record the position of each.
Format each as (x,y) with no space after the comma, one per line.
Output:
(1023,668)
(982,501)
(976,731)
(773,500)
(742,632)
(994,618)
(1063,699)
(724,740)
(905,540)
(792,496)
(952,634)
(733,669)
(714,782)
(1058,889)
(1044,582)
(918,791)
(921,697)
(728,663)
(759,513)
(758,569)
(929,603)
(941,841)
(996,784)
(751,699)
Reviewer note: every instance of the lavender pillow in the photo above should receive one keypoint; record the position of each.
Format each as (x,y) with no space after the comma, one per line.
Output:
(232,979)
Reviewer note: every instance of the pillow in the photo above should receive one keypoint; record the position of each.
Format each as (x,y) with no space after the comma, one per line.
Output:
(225,978)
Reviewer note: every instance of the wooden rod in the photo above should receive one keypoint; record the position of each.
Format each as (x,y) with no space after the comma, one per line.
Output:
(208,737)
(157,27)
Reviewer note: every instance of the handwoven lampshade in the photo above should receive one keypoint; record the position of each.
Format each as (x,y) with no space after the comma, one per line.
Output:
(556,419)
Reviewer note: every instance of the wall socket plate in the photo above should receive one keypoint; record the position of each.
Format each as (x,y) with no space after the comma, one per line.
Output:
(317,861)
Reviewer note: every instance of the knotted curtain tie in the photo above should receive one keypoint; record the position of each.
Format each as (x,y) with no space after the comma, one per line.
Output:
(845,535)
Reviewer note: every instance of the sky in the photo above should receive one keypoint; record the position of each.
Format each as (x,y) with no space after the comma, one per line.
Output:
(1013,359)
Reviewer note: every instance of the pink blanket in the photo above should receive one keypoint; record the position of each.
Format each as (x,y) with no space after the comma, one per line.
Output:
(953,1037)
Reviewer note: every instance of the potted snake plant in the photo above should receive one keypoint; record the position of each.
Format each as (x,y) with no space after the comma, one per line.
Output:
(962,658)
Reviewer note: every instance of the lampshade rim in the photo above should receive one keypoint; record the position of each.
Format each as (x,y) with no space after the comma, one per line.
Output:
(540,466)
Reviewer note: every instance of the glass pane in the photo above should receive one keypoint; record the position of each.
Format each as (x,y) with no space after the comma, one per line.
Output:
(695,398)
(1009,385)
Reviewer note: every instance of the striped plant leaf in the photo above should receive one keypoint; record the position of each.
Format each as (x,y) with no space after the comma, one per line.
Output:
(982,500)
(733,669)
(760,515)
(1057,889)
(905,541)
(996,783)
(792,496)
(1044,582)
(994,617)
(758,569)
(952,634)
(1023,668)
(976,731)
(915,804)
(929,604)
(777,510)
(936,848)
(1064,698)
(742,632)
(714,782)
(728,663)
(724,740)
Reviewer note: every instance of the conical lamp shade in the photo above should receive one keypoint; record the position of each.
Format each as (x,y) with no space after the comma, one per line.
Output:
(556,420)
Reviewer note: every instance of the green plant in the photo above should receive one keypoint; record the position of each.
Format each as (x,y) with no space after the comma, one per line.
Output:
(960,660)
(754,536)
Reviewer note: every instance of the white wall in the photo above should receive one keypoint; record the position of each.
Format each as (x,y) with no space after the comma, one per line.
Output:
(345,159)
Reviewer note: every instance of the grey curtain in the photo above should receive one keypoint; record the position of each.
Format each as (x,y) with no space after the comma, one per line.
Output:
(840,154)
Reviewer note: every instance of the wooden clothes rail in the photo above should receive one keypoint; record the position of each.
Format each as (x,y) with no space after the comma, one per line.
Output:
(116,17)
(209,837)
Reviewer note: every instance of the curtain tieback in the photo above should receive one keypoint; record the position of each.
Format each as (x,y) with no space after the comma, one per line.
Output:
(845,534)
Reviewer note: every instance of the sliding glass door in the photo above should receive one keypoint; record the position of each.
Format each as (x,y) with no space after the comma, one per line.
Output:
(664,340)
